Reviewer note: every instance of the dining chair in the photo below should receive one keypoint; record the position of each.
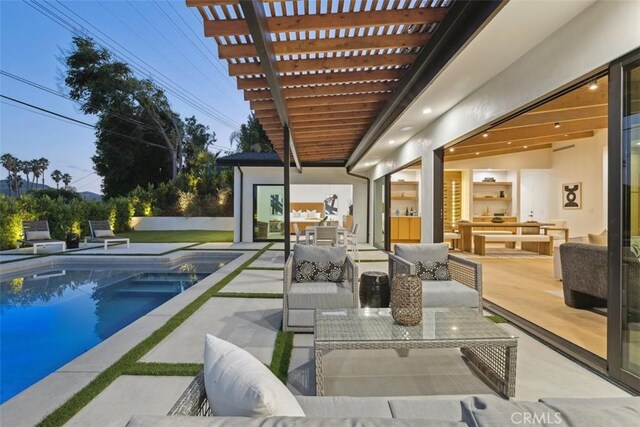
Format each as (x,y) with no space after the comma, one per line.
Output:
(351,240)
(299,235)
(326,235)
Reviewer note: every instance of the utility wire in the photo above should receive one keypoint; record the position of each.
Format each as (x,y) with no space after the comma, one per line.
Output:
(74,30)
(80,122)
(218,115)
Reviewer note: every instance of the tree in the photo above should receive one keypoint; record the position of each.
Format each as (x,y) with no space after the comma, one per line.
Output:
(197,141)
(13,167)
(66,179)
(128,106)
(37,169)
(251,137)
(26,167)
(44,165)
(56,176)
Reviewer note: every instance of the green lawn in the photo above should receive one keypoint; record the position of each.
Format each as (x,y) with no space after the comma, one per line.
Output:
(194,236)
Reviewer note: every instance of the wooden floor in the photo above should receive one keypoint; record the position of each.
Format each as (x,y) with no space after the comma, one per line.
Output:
(526,287)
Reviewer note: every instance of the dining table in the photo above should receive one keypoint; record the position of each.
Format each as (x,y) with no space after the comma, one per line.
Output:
(311,231)
(466,231)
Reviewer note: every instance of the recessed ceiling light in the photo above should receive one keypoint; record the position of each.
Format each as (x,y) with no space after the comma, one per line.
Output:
(593,85)
(509,143)
(451,150)
(406,128)
(566,134)
(427,111)
(526,146)
(556,125)
(477,153)
(486,134)
(392,141)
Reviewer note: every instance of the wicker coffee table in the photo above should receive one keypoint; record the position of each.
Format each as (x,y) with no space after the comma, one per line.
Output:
(488,348)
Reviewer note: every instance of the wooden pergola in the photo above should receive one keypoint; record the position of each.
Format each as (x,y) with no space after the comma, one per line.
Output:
(319,71)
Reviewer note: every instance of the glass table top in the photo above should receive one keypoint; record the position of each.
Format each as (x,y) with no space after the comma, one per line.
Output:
(376,324)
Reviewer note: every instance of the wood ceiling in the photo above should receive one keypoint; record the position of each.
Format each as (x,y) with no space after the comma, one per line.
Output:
(338,62)
(572,116)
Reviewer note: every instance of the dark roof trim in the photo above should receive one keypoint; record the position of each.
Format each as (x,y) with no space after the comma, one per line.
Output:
(270,160)
(459,25)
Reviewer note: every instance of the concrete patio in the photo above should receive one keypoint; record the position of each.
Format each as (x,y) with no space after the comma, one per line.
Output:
(253,322)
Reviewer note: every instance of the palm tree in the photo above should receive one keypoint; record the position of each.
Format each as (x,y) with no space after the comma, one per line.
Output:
(12,165)
(66,179)
(44,165)
(56,176)
(36,170)
(15,183)
(25,167)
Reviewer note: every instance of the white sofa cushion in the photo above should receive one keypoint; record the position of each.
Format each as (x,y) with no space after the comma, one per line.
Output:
(38,235)
(448,293)
(314,295)
(239,385)
(425,252)
(104,233)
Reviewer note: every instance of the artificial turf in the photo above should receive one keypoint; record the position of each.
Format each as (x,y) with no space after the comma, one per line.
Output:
(129,360)
(282,355)
(180,236)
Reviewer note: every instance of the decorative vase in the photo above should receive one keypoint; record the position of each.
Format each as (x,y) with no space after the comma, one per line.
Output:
(502,194)
(406,299)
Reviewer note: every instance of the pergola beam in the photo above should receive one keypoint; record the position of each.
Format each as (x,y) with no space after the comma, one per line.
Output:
(341,63)
(263,46)
(326,21)
(342,44)
(323,79)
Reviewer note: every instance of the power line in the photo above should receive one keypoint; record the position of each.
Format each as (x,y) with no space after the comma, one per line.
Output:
(80,122)
(215,114)
(74,30)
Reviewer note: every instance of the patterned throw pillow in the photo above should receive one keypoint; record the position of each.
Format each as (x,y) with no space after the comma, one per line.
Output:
(433,270)
(319,271)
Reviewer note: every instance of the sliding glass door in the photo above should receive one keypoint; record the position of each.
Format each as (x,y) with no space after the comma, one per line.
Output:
(624,262)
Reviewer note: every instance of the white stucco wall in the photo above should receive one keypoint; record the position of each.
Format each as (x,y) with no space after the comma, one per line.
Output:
(309,175)
(602,33)
(158,223)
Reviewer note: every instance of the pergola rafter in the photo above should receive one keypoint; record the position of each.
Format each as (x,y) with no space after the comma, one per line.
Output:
(335,63)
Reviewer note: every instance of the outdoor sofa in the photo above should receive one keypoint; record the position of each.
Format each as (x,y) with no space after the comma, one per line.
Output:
(463,289)
(480,411)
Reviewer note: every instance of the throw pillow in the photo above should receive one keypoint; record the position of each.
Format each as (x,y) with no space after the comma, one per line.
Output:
(432,270)
(599,239)
(104,233)
(239,385)
(319,271)
(38,235)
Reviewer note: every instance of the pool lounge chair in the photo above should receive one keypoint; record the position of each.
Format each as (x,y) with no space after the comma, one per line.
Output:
(101,232)
(37,235)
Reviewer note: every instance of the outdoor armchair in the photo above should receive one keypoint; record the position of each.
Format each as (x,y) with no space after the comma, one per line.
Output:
(37,234)
(463,290)
(301,299)
(101,232)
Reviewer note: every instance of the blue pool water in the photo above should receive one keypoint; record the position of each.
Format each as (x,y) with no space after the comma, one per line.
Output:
(49,318)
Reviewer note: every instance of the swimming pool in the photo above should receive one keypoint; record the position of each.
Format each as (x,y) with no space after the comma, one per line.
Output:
(51,315)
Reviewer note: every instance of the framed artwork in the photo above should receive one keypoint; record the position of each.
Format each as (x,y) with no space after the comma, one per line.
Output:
(572,195)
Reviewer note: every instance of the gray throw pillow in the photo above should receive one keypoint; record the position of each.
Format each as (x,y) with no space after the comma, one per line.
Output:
(319,264)
(432,270)
(319,271)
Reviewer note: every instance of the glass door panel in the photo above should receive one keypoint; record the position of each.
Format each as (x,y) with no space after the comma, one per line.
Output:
(631,220)
(379,212)
(268,213)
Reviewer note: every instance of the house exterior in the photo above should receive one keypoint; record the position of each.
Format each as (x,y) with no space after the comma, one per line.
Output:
(358,119)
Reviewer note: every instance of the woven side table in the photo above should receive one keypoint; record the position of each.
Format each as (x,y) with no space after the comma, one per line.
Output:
(406,299)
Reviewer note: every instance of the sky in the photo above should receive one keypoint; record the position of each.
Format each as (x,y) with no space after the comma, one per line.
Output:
(163,40)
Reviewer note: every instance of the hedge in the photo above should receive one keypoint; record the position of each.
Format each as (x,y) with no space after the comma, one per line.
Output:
(64,215)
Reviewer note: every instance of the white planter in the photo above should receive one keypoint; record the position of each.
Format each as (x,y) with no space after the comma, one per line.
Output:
(159,223)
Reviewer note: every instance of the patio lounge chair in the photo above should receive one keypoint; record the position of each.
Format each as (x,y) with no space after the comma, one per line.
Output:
(463,289)
(101,233)
(36,234)
(302,299)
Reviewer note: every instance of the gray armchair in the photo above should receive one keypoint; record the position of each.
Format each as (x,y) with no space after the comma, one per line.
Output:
(463,290)
(300,300)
